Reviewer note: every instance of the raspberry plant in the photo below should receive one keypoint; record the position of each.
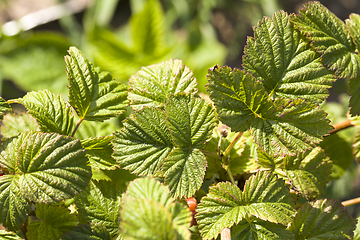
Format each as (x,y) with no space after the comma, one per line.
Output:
(257,140)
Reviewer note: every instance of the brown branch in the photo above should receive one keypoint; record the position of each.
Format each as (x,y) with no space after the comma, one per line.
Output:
(341,126)
(351,202)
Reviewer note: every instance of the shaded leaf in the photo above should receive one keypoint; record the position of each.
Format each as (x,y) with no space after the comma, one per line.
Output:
(87,232)
(144,142)
(4,107)
(153,85)
(54,222)
(264,197)
(283,60)
(100,203)
(94,94)
(323,219)
(49,110)
(280,127)
(13,124)
(99,151)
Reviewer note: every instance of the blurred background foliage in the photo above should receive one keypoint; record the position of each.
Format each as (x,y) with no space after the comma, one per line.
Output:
(121,36)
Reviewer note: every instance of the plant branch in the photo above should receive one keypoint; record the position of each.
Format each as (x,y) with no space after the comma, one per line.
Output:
(341,126)
(228,149)
(351,202)
(77,126)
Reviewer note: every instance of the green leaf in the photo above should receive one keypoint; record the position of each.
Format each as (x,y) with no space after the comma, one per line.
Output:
(323,219)
(94,94)
(280,127)
(357,230)
(353,24)
(15,123)
(89,129)
(49,110)
(5,235)
(87,232)
(54,222)
(191,120)
(144,142)
(4,107)
(354,88)
(100,203)
(14,207)
(259,229)
(264,197)
(152,85)
(283,60)
(52,167)
(99,151)
(148,212)
(329,36)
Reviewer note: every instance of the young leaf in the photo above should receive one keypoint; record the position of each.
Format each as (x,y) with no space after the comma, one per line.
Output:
(329,36)
(100,203)
(14,207)
(152,85)
(144,142)
(54,222)
(280,127)
(52,167)
(94,94)
(4,107)
(14,123)
(49,110)
(225,205)
(323,219)
(99,151)
(87,232)
(283,60)
(148,212)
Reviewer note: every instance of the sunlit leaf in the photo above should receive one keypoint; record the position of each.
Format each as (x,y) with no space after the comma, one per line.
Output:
(87,232)
(5,235)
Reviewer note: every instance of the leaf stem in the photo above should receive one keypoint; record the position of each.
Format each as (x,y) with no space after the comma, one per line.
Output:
(77,126)
(351,202)
(228,170)
(341,126)
(231,145)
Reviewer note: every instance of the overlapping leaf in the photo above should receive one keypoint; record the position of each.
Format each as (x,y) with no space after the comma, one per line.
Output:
(99,151)
(283,60)
(152,215)
(94,94)
(264,197)
(4,107)
(49,110)
(100,203)
(152,85)
(13,124)
(87,232)
(280,127)
(51,167)
(323,219)
(307,173)
(144,142)
(54,222)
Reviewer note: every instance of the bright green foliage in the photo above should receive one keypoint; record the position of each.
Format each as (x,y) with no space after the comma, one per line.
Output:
(353,24)
(4,107)
(4,235)
(13,124)
(152,86)
(280,127)
(100,203)
(53,222)
(91,129)
(87,232)
(99,151)
(264,197)
(148,212)
(283,60)
(323,219)
(49,110)
(307,173)
(93,94)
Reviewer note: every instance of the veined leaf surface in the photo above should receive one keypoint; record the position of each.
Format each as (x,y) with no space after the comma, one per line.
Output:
(4,107)
(153,85)
(87,232)
(283,60)
(49,110)
(280,127)
(264,197)
(5,235)
(323,219)
(14,123)
(93,94)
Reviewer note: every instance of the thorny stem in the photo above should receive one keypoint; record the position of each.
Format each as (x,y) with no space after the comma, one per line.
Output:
(351,202)
(341,126)
(77,126)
